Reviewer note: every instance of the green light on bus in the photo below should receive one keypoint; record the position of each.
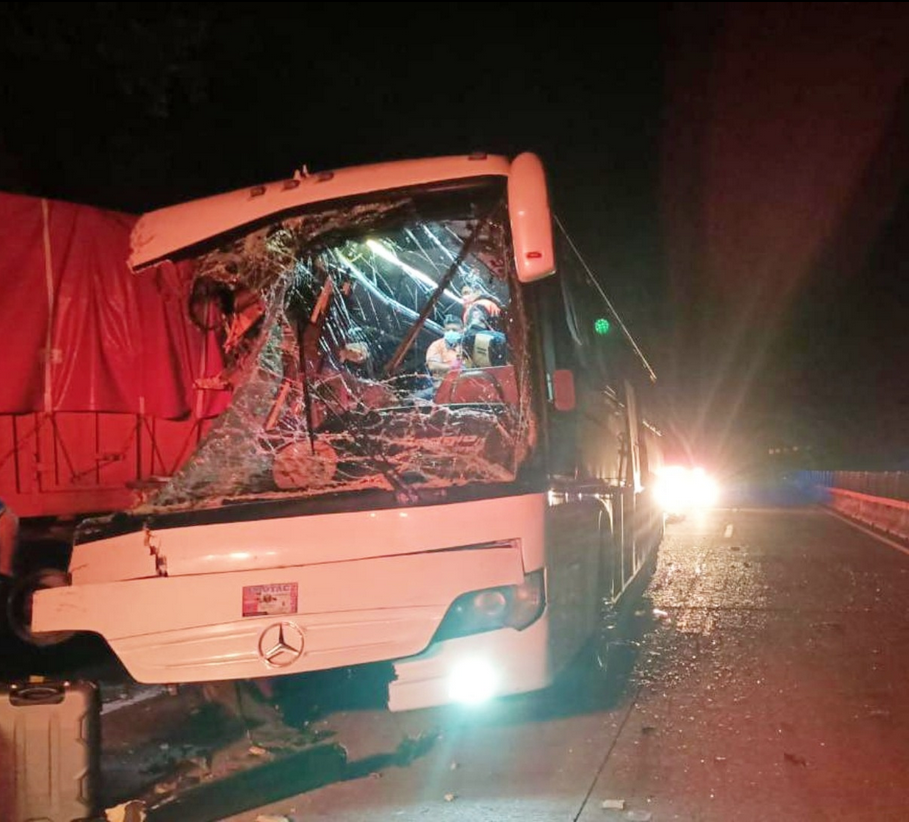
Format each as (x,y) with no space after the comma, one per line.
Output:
(601,326)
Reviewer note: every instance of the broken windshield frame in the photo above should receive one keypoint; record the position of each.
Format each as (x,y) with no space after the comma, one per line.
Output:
(340,291)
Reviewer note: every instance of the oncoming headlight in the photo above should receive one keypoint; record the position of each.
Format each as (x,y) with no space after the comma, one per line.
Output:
(679,490)
(671,490)
(704,491)
(508,606)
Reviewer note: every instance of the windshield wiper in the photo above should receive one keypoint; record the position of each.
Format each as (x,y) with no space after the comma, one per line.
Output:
(334,406)
(408,341)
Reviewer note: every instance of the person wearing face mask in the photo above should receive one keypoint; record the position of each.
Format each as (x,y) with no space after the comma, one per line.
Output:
(446,354)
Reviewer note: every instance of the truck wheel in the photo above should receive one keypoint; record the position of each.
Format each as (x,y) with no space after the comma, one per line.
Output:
(19,607)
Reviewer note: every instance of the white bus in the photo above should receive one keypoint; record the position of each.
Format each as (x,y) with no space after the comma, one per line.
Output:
(468,517)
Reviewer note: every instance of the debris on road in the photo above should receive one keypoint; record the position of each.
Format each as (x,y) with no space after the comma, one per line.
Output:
(167,786)
(659,613)
(255,750)
(613,804)
(450,797)
(132,811)
(200,763)
(272,817)
(830,626)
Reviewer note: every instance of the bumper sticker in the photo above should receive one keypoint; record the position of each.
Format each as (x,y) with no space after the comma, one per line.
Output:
(262,600)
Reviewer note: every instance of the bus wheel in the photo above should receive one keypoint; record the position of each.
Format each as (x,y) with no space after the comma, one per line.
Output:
(19,607)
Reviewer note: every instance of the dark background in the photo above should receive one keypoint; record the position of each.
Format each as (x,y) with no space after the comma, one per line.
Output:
(734,173)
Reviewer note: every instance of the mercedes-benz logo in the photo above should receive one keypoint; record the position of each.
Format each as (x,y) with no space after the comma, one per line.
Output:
(281,644)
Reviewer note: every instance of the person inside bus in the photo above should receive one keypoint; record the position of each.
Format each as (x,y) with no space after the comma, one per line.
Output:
(480,310)
(447,353)
(482,339)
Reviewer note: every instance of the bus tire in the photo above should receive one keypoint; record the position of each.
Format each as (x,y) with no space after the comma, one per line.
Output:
(19,606)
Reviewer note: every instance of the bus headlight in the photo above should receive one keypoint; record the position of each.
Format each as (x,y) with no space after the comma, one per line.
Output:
(472,681)
(509,606)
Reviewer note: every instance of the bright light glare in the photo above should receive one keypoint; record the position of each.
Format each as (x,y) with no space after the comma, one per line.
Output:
(704,491)
(679,490)
(380,250)
(671,490)
(472,682)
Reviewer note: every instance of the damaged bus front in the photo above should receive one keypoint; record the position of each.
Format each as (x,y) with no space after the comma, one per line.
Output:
(376,489)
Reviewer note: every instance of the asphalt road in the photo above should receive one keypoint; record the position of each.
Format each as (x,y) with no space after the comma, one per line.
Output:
(766,679)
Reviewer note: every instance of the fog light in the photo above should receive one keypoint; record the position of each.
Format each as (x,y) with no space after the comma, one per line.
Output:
(472,681)
(491,603)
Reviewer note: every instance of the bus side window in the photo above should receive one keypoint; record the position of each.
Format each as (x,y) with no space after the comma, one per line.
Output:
(558,354)
(586,324)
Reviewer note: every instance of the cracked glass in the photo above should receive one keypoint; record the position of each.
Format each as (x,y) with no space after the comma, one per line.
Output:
(381,344)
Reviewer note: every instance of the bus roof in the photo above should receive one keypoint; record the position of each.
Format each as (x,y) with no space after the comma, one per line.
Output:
(161,233)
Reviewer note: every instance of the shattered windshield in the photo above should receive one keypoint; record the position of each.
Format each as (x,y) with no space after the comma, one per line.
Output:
(380,345)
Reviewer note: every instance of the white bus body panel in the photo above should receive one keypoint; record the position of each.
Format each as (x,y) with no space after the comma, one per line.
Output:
(368,587)
(161,233)
(257,544)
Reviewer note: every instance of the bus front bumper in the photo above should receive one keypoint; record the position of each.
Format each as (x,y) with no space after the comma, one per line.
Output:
(192,628)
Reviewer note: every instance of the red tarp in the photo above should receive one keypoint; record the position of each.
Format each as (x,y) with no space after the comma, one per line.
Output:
(119,342)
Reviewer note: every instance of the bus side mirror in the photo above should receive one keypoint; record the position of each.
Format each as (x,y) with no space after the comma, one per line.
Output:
(563,398)
(531,219)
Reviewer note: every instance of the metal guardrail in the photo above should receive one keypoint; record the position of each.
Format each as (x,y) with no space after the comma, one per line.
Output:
(888,484)
(878,499)
(888,515)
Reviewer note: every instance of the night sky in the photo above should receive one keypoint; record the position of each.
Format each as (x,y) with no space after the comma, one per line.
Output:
(735,173)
